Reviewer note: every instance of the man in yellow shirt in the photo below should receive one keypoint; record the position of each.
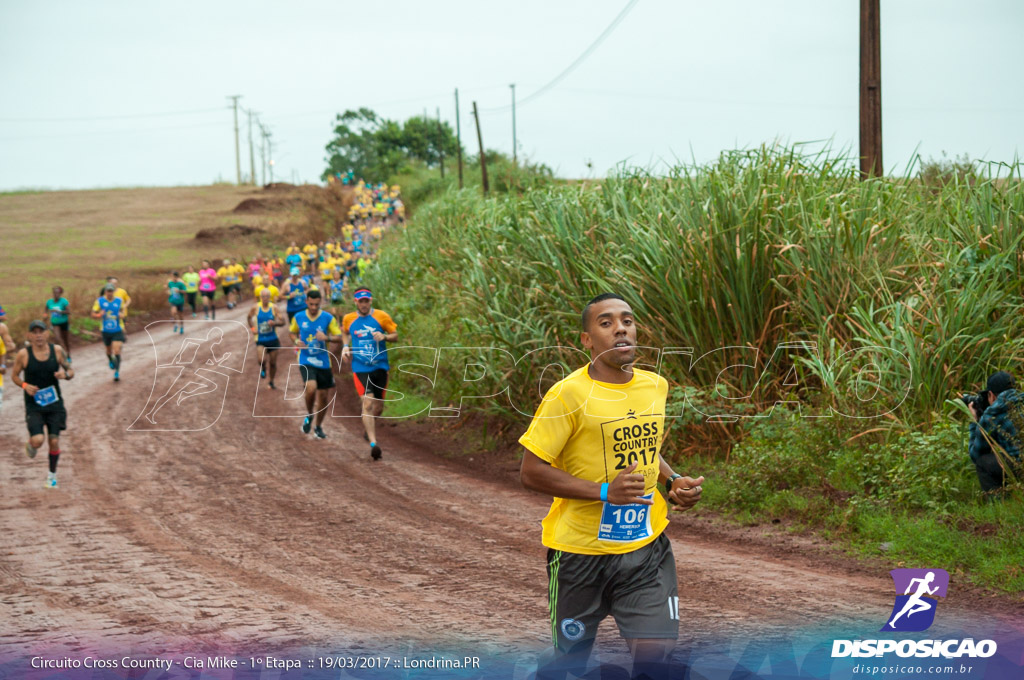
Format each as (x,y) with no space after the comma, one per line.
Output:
(230,281)
(595,446)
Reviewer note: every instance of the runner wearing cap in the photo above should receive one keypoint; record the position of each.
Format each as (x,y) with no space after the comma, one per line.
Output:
(294,290)
(111,310)
(264,319)
(57,308)
(594,445)
(312,330)
(43,365)
(208,289)
(366,334)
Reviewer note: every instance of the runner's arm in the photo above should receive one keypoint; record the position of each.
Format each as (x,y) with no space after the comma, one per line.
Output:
(20,361)
(683,492)
(62,359)
(5,334)
(537,475)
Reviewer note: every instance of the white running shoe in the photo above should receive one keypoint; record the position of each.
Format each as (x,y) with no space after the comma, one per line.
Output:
(51,480)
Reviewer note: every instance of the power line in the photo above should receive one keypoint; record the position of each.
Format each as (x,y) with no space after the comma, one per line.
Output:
(118,117)
(579,60)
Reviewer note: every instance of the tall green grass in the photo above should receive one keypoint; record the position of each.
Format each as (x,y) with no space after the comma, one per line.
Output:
(868,304)
(760,248)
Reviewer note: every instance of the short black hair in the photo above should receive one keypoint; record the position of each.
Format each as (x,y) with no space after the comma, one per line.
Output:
(315,294)
(584,317)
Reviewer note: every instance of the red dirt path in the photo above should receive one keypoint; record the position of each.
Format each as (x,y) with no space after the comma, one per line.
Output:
(249,534)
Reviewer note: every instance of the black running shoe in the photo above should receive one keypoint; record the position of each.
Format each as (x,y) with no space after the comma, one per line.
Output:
(307,425)
(375,452)
(272,385)
(319,432)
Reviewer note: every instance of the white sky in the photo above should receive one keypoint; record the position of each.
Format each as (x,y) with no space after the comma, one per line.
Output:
(679,79)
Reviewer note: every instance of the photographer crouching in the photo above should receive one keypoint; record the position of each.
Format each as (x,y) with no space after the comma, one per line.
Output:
(997,433)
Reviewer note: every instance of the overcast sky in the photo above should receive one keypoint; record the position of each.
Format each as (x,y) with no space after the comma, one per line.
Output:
(109,93)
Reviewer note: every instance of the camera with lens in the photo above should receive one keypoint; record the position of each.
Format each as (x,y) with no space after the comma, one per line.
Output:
(979,401)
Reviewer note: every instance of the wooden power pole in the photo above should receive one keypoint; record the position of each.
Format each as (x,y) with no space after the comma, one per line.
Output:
(238,157)
(870,90)
(480,141)
(440,140)
(458,135)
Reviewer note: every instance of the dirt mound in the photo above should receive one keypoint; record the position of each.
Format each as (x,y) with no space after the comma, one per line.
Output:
(250,205)
(280,186)
(232,231)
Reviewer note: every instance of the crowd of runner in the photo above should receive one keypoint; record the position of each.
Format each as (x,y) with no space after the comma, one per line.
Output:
(314,282)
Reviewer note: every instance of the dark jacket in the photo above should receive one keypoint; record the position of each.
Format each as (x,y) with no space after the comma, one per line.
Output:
(1004,423)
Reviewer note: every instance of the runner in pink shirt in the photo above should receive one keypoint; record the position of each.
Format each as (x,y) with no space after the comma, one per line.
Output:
(208,288)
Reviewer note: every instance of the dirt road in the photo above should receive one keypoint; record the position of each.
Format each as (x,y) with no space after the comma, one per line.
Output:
(249,534)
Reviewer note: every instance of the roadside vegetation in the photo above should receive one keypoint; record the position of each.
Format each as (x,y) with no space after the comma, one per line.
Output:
(832,323)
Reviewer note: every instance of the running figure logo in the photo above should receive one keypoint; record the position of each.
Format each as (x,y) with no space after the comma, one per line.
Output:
(914,610)
(190,385)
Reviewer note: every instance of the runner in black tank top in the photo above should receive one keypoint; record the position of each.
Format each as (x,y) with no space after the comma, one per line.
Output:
(44,403)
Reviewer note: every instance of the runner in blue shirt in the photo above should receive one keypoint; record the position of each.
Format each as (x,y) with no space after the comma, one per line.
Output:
(312,330)
(112,312)
(294,291)
(366,334)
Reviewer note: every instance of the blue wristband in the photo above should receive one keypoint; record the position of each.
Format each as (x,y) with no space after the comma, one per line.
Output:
(604,491)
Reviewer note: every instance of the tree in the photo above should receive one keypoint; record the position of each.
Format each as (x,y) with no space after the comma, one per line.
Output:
(376,148)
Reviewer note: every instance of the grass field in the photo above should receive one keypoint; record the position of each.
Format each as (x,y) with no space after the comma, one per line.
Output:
(77,238)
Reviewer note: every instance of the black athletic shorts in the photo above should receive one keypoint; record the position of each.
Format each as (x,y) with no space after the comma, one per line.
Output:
(62,326)
(323,376)
(208,293)
(269,344)
(190,298)
(179,307)
(375,381)
(55,421)
(638,588)
(291,314)
(109,338)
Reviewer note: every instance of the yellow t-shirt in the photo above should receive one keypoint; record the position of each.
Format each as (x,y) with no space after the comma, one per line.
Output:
(257,281)
(274,292)
(227,275)
(239,271)
(3,351)
(593,430)
(291,249)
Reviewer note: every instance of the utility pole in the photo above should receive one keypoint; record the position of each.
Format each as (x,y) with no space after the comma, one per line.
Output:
(263,154)
(870,90)
(252,156)
(440,140)
(480,141)
(458,135)
(238,158)
(514,157)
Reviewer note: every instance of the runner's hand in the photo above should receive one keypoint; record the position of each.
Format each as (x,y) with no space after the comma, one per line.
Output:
(60,375)
(30,390)
(378,336)
(628,488)
(685,493)
(321,336)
